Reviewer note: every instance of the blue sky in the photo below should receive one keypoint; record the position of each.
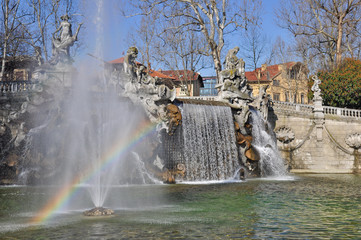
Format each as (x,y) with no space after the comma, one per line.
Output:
(269,21)
(114,29)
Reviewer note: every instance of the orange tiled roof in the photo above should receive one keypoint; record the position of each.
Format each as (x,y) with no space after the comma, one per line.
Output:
(267,75)
(179,75)
(118,60)
(154,73)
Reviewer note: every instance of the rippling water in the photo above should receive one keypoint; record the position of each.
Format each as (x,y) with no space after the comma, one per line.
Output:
(306,207)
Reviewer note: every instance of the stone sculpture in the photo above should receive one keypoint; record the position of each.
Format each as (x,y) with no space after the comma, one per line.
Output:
(151,92)
(38,56)
(62,42)
(262,101)
(315,88)
(130,66)
(236,92)
(175,118)
(232,60)
(232,80)
(319,117)
(285,134)
(354,140)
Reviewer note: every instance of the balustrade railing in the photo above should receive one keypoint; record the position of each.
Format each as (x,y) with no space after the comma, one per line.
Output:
(15,86)
(295,107)
(344,112)
(205,98)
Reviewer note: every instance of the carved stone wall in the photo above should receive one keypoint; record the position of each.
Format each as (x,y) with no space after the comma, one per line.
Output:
(308,154)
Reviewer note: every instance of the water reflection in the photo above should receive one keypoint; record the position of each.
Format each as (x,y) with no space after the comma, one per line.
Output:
(307,207)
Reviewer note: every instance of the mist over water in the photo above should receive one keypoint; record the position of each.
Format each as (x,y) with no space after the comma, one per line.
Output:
(86,134)
(97,122)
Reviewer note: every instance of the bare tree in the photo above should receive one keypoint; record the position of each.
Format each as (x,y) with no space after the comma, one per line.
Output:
(144,37)
(330,26)
(10,24)
(43,20)
(181,49)
(213,18)
(281,52)
(254,47)
(171,47)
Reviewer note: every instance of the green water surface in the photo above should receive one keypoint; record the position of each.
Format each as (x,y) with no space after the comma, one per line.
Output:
(307,207)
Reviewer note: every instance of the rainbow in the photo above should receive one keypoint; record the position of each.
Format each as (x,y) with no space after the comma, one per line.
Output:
(69,190)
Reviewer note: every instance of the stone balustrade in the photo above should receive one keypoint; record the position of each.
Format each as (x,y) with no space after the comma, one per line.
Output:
(292,107)
(205,98)
(15,86)
(298,108)
(343,112)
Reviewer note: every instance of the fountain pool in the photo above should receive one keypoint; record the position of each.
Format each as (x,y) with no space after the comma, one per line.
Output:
(301,207)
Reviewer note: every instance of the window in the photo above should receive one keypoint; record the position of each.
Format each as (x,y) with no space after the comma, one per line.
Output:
(183,90)
(293,74)
(19,74)
(209,88)
(276,96)
(302,98)
(276,82)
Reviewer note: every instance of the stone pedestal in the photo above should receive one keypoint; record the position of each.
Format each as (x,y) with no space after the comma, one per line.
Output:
(319,118)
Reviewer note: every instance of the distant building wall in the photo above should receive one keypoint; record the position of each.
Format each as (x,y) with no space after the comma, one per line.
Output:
(287,82)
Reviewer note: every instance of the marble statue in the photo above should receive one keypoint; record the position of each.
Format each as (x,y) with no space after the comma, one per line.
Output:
(62,40)
(151,92)
(231,60)
(315,87)
(130,66)
(232,81)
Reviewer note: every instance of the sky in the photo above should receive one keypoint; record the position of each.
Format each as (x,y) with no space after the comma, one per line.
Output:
(109,40)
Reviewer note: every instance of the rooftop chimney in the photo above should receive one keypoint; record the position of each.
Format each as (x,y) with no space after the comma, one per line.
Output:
(264,67)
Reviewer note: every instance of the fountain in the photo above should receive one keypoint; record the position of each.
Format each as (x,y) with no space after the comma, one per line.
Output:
(96,143)
(271,163)
(88,128)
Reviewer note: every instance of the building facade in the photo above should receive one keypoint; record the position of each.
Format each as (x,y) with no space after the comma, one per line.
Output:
(187,82)
(287,82)
(19,68)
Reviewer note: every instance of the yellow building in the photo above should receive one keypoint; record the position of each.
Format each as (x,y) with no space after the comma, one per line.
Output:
(287,82)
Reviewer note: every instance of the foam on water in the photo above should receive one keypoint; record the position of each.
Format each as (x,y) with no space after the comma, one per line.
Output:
(264,140)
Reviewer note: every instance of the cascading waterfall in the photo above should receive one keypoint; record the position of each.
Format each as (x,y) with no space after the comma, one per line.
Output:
(271,163)
(210,152)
